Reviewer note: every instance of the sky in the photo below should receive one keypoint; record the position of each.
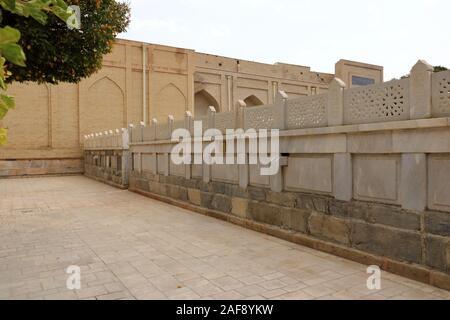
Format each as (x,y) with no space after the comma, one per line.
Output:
(391,33)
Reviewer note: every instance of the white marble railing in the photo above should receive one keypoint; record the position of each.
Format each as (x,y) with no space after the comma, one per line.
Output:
(112,139)
(423,94)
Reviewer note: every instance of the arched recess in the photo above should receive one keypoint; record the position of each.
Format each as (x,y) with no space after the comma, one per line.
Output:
(202,101)
(105,106)
(170,100)
(253,101)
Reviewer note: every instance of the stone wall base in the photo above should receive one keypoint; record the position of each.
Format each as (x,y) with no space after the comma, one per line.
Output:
(398,241)
(110,167)
(39,167)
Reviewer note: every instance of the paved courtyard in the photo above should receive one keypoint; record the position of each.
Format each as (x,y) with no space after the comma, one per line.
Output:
(132,247)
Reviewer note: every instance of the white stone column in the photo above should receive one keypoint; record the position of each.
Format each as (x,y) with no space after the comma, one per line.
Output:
(211,117)
(240,110)
(155,164)
(153,128)
(170,121)
(282,98)
(413,181)
(343,176)
(420,90)
(210,124)
(277,181)
(187,126)
(139,164)
(336,102)
(141,131)
(167,163)
(244,173)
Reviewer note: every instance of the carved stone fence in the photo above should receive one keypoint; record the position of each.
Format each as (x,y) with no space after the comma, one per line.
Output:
(364,172)
(422,95)
(107,157)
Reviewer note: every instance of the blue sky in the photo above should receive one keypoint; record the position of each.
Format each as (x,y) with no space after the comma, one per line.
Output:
(392,33)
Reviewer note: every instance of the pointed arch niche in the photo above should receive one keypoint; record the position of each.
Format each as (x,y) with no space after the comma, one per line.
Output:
(253,101)
(202,100)
(170,100)
(106,105)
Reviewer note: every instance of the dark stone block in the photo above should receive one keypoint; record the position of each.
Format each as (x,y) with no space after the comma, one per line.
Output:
(255,193)
(386,241)
(437,223)
(329,228)
(437,253)
(359,210)
(240,192)
(304,201)
(295,219)
(177,192)
(223,188)
(221,203)
(263,212)
(321,204)
(206,199)
(157,188)
(338,208)
(142,184)
(394,216)
(284,199)
(205,187)
(191,183)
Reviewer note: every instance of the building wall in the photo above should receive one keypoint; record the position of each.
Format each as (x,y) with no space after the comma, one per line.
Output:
(356,74)
(49,121)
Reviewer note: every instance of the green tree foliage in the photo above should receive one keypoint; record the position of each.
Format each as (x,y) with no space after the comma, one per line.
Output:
(439,68)
(37,45)
(56,53)
(11,52)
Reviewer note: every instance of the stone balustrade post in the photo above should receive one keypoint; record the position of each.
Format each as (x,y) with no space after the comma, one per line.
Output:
(420,90)
(282,99)
(210,125)
(170,121)
(277,180)
(154,128)
(243,169)
(413,181)
(343,176)
(130,132)
(244,174)
(211,117)
(336,103)
(125,138)
(141,131)
(187,126)
(240,114)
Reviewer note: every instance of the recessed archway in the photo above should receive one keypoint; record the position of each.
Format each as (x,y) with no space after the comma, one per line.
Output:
(253,101)
(202,101)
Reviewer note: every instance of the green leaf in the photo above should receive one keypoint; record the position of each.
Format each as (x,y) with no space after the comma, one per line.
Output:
(14,53)
(9,4)
(3,136)
(6,103)
(9,35)
(2,73)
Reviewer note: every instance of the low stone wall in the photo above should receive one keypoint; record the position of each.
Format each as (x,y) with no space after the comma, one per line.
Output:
(35,167)
(418,241)
(109,166)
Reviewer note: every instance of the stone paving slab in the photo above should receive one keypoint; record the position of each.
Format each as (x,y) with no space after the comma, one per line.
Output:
(132,247)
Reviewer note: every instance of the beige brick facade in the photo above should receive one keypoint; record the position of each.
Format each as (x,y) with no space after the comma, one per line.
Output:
(49,120)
